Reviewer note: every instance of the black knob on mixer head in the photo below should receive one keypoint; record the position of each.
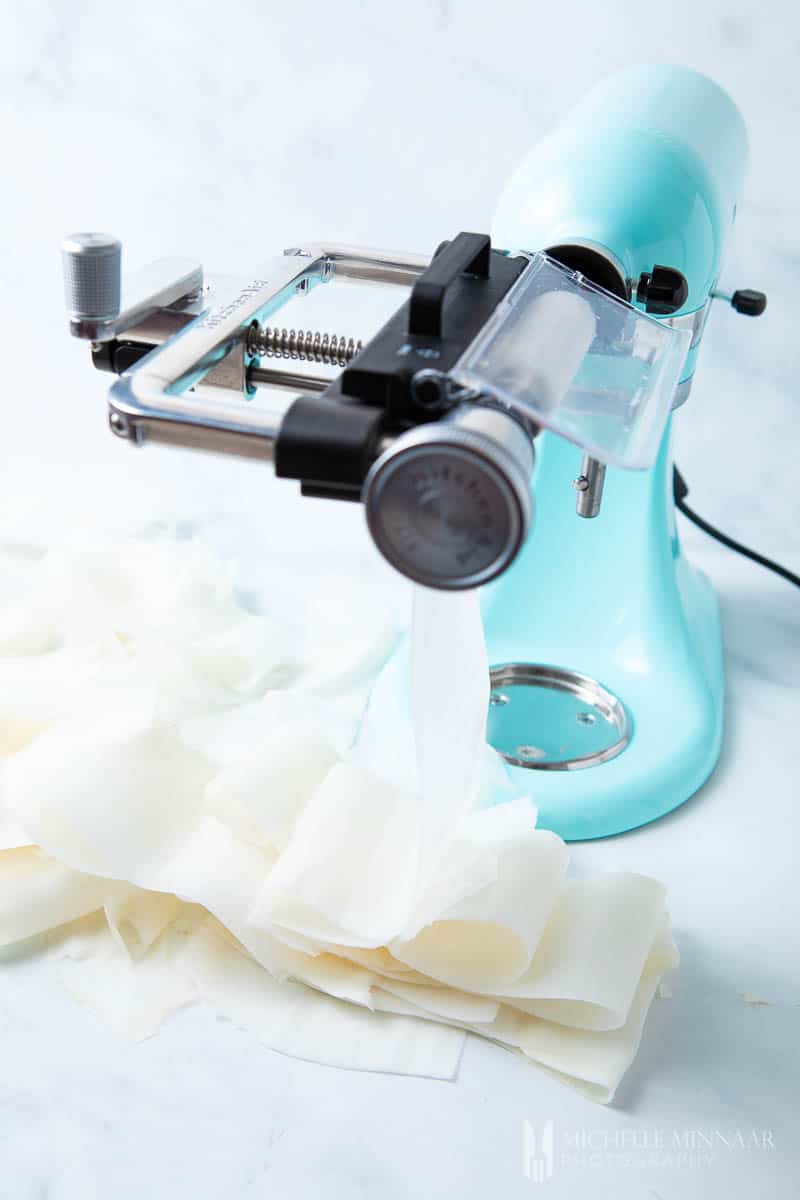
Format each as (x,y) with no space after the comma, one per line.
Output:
(662,291)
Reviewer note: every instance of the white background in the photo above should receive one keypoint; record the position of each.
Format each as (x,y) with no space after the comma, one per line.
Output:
(226,132)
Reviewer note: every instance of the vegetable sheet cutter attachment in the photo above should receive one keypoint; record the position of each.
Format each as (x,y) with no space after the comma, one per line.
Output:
(432,423)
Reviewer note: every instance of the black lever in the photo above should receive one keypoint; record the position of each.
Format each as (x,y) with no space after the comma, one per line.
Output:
(749,302)
(468,252)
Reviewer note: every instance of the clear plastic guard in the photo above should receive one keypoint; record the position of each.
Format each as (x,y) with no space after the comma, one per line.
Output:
(580,362)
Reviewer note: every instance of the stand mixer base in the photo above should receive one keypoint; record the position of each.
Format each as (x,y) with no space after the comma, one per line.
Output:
(595,764)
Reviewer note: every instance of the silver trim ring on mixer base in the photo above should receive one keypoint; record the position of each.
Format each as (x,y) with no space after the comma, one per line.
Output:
(588,715)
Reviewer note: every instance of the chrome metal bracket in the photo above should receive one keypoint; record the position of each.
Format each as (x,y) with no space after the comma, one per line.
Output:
(190,389)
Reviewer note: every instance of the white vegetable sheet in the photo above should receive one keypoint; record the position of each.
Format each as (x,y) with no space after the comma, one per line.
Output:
(193,794)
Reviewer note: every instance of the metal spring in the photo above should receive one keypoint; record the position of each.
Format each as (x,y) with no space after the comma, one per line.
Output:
(266,342)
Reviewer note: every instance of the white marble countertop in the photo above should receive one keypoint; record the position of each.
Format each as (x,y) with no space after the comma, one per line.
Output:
(227,132)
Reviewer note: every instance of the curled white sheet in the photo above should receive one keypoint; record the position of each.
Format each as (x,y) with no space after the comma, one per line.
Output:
(609,919)
(12,835)
(303,1022)
(346,875)
(132,995)
(486,941)
(113,797)
(264,793)
(136,919)
(38,894)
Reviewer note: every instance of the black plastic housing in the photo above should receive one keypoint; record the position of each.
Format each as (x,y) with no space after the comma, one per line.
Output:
(329,442)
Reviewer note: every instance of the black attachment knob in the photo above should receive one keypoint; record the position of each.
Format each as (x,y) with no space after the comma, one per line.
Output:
(430,391)
(748,302)
(662,291)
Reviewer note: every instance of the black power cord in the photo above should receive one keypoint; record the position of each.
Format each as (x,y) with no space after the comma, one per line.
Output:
(681,491)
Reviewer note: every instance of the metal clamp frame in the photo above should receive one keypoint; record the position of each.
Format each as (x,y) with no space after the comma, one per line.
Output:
(150,401)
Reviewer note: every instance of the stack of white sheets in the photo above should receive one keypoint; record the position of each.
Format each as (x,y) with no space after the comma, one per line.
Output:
(193,794)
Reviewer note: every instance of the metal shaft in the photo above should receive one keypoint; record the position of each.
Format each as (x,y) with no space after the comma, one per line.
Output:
(294,381)
(589,486)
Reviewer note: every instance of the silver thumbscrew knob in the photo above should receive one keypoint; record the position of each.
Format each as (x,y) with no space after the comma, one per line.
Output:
(92,281)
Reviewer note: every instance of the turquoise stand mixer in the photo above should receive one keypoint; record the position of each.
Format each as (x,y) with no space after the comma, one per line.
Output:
(649,168)
(509,427)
